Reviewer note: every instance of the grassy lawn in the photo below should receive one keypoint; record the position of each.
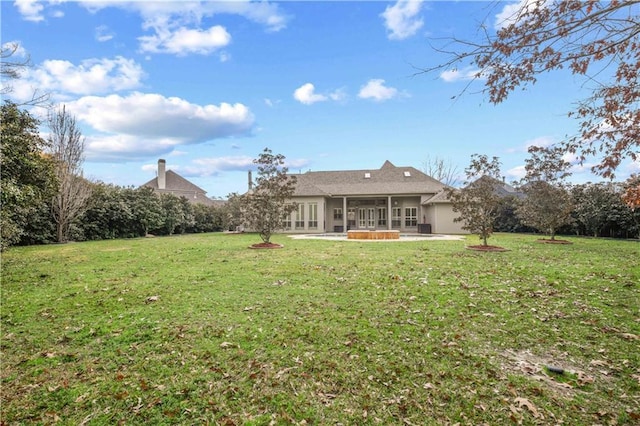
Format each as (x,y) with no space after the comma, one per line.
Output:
(200,329)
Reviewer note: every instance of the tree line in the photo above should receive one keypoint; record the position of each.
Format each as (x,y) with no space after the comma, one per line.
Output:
(46,199)
(543,201)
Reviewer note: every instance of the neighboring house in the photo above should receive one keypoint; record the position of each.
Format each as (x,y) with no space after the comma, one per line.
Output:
(503,189)
(169,182)
(393,198)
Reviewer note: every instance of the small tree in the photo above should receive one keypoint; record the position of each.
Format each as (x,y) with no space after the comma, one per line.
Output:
(267,203)
(478,202)
(67,149)
(547,205)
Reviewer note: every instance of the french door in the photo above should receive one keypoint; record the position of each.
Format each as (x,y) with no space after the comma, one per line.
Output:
(367,218)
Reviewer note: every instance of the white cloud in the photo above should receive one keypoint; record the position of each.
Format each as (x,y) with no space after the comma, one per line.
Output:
(306,94)
(15,48)
(376,90)
(542,142)
(103,33)
(176,25)
(123,147)
(464,74)
(143,125)
(401,20)
(154,116)
(221,164)
(31,10)
(91,76)
(183,41)
(224,56)
(516,173)
(511,12)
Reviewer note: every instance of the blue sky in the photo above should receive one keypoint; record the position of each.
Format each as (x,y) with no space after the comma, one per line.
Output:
(330,85)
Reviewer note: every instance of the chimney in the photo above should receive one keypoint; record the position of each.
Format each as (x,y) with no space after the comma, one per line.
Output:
(162,178)
(250,181)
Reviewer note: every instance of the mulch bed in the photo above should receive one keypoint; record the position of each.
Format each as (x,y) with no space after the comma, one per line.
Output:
(486,248)
(548,241)
(265,246)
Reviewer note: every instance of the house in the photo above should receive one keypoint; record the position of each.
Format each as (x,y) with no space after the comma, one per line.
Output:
(389,198)
(170,182)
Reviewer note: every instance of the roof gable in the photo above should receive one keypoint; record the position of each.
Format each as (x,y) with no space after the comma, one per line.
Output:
(175,182)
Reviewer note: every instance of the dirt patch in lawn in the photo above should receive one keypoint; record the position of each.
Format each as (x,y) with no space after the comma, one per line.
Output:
(265,246)
(486,248)
(555,373)
(549,241)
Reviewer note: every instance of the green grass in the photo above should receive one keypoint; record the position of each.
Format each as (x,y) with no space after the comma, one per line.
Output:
(200,329)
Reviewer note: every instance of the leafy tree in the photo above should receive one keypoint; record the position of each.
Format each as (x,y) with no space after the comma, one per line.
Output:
(26,175)
(188,218)
(232,212)
(146,208)
(66,146)
(478,201)
(174,214)
(109,213)
(631,195)
(600,211)
(267,204)
(206,218)
(507,219)
(598,40)
(547,205)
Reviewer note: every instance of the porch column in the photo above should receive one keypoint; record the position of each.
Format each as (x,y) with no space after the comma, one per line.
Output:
(344,214)
(389,212)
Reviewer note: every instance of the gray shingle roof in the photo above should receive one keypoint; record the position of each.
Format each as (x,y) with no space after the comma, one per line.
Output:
(177,185)
(388,180)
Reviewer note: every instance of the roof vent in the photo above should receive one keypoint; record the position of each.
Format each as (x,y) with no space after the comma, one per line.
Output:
(407,173)
(367,175)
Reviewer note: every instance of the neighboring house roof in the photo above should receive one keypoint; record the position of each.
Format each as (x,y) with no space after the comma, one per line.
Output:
(181,187)
(503,189)
(388,180)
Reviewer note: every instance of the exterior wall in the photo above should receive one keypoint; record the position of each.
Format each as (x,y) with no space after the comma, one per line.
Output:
(304,222)
(375,212)
(441,216)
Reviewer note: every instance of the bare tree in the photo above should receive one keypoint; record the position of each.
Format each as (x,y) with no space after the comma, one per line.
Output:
(67,150)
(12,68)
(441,170)
(587,37)
(478,201)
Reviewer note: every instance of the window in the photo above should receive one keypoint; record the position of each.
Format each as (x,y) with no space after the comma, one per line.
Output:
(367,175)
(300,216)
(313,215)
(337,214)
(382,216)
(407,173)
(396,217)
(286,221)
(411,216)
